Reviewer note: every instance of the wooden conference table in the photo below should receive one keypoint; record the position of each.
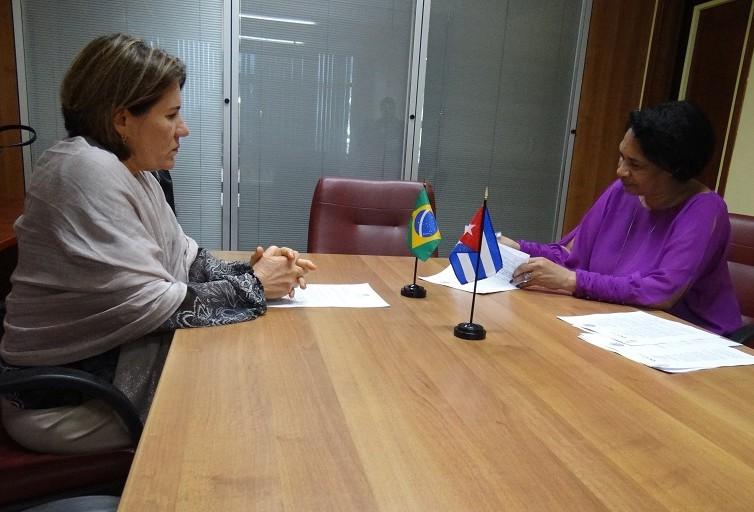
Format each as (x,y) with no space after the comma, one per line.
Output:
(384,409)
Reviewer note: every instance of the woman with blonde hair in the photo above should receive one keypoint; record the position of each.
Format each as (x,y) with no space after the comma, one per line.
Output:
(105,272)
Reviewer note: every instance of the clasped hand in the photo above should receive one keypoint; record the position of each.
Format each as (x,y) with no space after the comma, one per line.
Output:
(280,270)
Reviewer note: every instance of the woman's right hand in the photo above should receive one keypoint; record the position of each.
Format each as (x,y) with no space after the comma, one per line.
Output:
(280,270)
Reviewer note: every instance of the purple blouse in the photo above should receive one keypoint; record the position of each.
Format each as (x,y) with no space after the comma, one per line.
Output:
(625,253)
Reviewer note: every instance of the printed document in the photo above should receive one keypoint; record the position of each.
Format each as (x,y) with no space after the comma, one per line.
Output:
(638,328)
(657,342)
(332,296)
(500,282)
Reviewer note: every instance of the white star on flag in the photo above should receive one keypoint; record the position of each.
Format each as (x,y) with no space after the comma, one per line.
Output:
(468,229)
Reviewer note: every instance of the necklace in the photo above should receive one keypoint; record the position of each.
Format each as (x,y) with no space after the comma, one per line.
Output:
(628,233)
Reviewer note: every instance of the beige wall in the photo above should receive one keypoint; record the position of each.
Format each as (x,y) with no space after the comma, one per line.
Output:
(739,189)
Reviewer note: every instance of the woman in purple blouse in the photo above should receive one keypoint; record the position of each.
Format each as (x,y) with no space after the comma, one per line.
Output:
(656,237)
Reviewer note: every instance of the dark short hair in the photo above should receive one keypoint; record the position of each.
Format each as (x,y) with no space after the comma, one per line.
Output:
(113,72)
(676,136)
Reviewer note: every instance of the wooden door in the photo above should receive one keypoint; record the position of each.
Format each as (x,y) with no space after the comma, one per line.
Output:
(11,168)
(614,69)
(713,65)
(623,71)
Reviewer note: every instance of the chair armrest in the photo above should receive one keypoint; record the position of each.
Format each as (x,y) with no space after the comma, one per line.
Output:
(744,335)
(55,377)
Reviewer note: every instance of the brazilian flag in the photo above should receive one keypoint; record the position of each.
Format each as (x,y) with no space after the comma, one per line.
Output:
(423,235)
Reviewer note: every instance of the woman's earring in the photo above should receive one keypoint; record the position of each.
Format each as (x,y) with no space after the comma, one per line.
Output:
(124,139)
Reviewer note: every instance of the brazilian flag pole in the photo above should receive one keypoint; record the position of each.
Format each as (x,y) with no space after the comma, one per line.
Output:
(423,239)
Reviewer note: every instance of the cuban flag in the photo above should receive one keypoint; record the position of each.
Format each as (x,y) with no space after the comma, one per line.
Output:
(464,256)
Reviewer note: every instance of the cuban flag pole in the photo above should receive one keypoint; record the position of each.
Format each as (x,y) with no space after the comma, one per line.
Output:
(476,256)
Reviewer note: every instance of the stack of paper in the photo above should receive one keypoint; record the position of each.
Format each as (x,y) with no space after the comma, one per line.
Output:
(657,342)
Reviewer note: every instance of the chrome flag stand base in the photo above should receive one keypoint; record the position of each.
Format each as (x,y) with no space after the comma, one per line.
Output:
(469,331)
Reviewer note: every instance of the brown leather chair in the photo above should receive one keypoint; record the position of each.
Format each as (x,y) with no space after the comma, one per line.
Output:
(350,216)
(741,266)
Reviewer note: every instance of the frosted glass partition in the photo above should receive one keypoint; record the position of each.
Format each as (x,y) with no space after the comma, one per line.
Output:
(496,105)
(191,29)
(322,89)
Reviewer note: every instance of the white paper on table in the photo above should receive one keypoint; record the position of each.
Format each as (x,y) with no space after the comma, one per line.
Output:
(677,356)
(640,328)
(601,341)
(500,282)
(685,358)
(613,345)
(332,296)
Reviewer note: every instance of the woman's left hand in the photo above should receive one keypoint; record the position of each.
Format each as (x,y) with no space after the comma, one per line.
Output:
(303,265)
(543,272)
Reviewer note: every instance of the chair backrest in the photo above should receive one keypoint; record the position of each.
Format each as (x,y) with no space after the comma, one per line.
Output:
(28,476)
(166,183)
(741,263)
(350,216)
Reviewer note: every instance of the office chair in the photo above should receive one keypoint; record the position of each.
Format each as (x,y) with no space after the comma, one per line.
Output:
(30,478)
(79,504)
(166,183)
(350,216)
(741,266)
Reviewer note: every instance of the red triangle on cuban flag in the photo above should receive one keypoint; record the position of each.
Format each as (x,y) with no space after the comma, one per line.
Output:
(473,232)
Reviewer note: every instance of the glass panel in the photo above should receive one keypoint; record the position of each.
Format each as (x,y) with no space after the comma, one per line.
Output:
(322,87)
(496,104)
(189,29)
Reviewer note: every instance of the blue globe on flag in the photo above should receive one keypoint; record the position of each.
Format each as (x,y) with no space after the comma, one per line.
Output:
(425,224)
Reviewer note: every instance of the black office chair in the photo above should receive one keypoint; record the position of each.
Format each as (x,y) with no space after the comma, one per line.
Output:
(79,504)
(166,183)
(30,478)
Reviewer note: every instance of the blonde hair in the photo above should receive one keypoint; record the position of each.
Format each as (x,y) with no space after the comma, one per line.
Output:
(114,72)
